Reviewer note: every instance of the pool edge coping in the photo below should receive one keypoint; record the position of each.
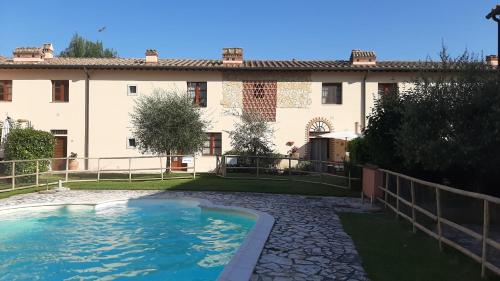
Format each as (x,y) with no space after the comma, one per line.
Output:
(244,260)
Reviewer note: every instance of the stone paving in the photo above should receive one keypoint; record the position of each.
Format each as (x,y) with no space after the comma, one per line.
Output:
(307,241)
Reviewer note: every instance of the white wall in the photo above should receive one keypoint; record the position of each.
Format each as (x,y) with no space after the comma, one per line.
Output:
(110,107)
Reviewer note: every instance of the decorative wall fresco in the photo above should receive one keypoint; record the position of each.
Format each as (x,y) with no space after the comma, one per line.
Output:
(293,91)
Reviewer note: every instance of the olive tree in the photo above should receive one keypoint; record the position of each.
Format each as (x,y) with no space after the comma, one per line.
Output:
(167,122)
(252,135)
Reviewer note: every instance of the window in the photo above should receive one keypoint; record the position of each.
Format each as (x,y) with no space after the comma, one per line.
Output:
(198,92)
(131,90)
(131,143)
(332,93)
(213,144)
(60,90)
(386,88)
(5,90)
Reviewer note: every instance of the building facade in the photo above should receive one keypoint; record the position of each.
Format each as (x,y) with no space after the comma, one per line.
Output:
(86,102)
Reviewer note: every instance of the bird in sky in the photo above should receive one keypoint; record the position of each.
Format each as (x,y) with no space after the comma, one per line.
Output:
(101,29)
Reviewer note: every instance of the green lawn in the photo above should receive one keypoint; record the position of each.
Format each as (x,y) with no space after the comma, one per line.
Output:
(392,252)
(203,182)
(208,182)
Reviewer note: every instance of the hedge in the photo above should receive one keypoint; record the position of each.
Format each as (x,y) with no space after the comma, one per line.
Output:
(26,144)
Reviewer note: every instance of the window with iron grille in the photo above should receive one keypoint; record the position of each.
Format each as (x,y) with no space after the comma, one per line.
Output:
(259,98)
(198,92)
(60,90)
(332,93)
(5,90)
(386,88)
(213,144)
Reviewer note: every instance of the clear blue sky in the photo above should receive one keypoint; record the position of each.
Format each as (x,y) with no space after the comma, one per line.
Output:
(272,29)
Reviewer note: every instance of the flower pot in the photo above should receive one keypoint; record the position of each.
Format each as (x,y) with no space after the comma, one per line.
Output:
(73,164)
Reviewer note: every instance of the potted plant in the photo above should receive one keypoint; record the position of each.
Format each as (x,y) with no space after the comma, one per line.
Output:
(73,163)
(293,152)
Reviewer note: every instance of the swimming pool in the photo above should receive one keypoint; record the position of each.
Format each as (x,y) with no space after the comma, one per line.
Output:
(136,240)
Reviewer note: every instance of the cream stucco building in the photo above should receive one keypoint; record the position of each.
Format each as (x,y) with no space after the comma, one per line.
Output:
(86,102)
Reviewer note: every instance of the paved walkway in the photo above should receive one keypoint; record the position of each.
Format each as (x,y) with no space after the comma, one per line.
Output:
(306,243)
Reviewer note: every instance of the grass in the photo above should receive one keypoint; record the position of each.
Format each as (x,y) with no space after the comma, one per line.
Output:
(203,182)
(390,251)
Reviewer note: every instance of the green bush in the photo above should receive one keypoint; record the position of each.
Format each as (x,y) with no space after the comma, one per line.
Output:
(358,151)
(26,144)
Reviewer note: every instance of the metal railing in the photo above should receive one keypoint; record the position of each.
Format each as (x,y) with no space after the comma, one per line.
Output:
(394,189)
(335,174)
(13,173)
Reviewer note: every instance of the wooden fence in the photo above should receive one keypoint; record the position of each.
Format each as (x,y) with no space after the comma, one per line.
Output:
(392,192)
(286,168)
(41,168)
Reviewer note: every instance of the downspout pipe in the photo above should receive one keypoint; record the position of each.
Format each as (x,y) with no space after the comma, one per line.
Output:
(363,102)
(87,99)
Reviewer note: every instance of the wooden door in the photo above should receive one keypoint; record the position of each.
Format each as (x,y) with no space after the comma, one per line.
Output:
(60,152)
(319,151)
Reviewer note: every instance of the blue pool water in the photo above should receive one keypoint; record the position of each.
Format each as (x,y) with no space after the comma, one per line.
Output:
(139,240)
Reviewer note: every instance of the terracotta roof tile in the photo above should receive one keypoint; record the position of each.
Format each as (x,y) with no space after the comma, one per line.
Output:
(201,64)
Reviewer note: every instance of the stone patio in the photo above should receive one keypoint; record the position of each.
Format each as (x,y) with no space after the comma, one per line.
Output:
(307,241)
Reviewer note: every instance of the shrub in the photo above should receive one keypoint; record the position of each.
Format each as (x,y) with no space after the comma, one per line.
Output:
(358,151)
(26,144)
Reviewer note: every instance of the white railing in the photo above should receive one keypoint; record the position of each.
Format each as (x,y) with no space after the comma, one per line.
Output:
(329,173)
(35,171)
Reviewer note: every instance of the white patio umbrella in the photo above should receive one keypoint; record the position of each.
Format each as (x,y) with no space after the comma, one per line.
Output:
(342,135)
(5,130)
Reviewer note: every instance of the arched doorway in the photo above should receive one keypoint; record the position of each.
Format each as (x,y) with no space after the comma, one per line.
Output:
(318,148)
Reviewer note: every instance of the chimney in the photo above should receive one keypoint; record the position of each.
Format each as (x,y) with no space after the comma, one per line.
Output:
(48,51)
(492,60)
(232,56)
(151,56)
(28,54)
(359,57)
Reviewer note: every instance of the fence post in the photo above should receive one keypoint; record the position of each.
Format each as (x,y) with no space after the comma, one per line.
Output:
(413,219)
(349,183)
(129,169)
(194,167)
(37,172)
(386,189)
(67,167)
(257,164)
(486,229)
(290,168)
(397,197)
(224,166)
(98,169)
(161,168)
(438,212)
(320,171)
(13,173)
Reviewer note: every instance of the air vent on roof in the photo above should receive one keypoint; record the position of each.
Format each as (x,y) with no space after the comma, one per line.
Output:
(232,56)
(492,60)
(359,57)
(151,56)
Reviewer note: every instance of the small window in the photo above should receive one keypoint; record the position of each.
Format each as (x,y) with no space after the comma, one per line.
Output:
(131,90)
(332,93)
(198,92)
(386,88)
(5,90)
(60,90)
(213,144)
(131,143)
